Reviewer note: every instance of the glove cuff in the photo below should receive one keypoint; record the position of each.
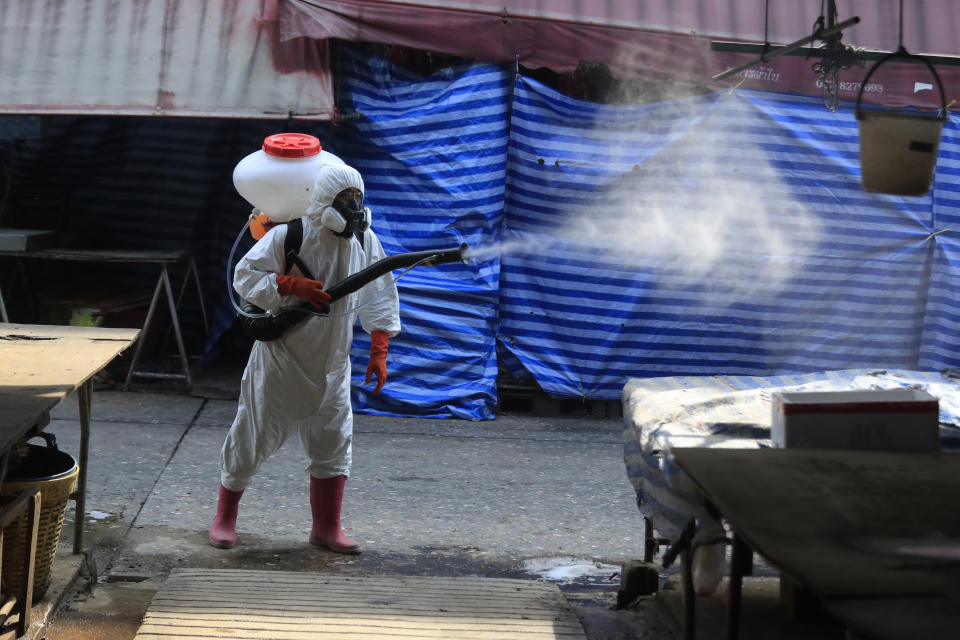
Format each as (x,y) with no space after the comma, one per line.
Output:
(378,343)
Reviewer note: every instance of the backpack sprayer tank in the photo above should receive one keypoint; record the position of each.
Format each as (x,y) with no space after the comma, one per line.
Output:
(278,180)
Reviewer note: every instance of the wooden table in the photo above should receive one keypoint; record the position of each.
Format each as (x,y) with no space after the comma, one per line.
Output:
(163,287)
(39,366)
(874,535)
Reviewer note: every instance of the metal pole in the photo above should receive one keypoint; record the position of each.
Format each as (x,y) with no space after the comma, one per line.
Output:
(649,542)
(85,396)
(793,46)
(739,561)
(144,331)
(686,576)
(165,277)
(203,308)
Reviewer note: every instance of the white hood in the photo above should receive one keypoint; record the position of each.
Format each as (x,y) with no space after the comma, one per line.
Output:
(332,179)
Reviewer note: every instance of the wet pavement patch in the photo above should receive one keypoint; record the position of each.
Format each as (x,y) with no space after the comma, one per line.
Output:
(565,570)
(121,578)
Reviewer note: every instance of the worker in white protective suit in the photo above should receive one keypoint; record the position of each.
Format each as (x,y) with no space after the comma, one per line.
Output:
(301,381)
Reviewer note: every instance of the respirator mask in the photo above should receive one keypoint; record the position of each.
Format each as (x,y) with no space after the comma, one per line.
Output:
(347,216)
(354,216)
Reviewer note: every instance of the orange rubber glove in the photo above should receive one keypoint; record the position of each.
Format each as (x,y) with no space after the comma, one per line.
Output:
(310,290)
(378,359)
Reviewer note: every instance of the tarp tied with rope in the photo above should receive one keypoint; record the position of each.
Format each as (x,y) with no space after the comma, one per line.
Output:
(722,234)
(685,41)
(432,153)
(726,233)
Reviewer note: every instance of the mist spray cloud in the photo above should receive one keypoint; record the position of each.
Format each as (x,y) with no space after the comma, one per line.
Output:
(708,214)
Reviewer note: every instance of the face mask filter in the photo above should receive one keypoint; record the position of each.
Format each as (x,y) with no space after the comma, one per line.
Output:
(354,217)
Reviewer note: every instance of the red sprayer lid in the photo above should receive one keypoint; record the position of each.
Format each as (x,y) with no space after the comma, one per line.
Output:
(291,145)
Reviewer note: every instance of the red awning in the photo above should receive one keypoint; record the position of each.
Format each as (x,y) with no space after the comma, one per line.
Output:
(669,37)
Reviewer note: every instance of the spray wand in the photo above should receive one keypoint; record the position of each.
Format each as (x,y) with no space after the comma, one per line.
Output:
(397,261)
(265,327)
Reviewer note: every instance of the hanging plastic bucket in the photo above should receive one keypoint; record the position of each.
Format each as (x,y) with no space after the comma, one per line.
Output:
(898,151)
(55,472)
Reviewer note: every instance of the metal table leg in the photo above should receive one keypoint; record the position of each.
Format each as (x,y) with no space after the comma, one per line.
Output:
(741,560)
(163,284)
(143,332)
(32,497)
(689,596)
(85,396)
(192,268)
(649,542)
(176,325)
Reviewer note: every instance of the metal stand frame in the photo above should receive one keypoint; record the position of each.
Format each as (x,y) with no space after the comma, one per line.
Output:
(741,564)
(163,284)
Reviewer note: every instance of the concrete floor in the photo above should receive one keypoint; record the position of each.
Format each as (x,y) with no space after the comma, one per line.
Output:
(519,497)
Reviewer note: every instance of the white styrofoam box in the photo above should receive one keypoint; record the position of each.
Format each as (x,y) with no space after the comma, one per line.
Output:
(883,419)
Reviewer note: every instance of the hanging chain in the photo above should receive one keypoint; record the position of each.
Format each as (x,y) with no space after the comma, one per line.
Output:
(834,58)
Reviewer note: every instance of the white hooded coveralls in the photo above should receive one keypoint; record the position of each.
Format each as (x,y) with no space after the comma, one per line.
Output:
(301,381)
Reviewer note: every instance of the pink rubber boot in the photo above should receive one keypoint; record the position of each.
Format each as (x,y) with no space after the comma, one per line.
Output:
(326,497)
(223,533)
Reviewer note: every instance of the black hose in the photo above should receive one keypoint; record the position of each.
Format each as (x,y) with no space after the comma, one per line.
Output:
(397,261)
(272,327)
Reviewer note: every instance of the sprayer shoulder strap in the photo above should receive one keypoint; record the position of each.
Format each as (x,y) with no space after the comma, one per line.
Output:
(292,242)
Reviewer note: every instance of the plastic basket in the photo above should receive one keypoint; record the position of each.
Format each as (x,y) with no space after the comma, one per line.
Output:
(55,472)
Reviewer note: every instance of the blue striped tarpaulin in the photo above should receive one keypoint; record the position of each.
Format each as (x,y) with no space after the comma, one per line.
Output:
(432,152)
(724,234)
(938,344)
